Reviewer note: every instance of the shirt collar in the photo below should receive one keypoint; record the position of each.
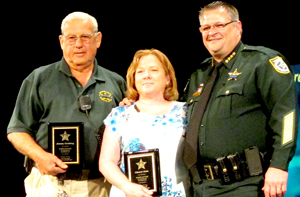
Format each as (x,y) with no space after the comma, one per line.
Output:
(98,73)
(229,60)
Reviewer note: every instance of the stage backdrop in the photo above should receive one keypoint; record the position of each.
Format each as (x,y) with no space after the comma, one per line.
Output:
(294,167)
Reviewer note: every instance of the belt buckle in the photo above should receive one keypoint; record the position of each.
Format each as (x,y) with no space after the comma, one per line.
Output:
(209,172)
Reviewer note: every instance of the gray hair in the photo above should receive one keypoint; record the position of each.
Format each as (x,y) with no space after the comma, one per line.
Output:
(79,15)
(232,11)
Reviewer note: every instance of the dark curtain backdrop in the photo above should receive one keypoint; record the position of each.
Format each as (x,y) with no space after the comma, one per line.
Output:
(30,39)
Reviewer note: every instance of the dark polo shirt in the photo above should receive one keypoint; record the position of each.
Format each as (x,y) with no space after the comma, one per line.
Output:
(50,94)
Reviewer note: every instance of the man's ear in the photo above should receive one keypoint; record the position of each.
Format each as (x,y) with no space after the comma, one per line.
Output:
(61,41)
(239,26)
(99,39)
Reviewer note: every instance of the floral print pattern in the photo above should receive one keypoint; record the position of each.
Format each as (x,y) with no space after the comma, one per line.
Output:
(138,131)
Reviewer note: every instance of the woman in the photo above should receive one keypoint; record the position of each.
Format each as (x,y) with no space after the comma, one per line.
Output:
(155,120)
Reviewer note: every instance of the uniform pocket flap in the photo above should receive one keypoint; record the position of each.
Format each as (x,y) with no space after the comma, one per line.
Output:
(231,89)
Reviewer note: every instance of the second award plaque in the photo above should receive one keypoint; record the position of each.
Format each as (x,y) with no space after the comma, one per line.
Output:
(143,168)
(65,141)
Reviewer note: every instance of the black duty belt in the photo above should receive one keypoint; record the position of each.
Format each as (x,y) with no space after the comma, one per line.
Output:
(227,175)
(235,167)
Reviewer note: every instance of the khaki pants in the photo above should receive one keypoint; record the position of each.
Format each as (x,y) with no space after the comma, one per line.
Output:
(38,185)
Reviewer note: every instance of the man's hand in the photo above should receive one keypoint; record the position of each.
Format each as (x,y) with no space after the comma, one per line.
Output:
(275,182)
(47,163)
(50,164)
(126,101)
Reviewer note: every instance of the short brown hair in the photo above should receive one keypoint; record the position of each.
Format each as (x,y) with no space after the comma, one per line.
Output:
(232,11)
(170,93)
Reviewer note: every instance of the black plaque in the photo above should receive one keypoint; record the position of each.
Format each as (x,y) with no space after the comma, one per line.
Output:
(143,168)
(65,141)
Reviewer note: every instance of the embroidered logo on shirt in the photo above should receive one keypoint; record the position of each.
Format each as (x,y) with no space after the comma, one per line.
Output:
(105,96)
(279,65)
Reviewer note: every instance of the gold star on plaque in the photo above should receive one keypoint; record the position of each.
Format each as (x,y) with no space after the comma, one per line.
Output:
(141,164)
(65,136)
(233,75)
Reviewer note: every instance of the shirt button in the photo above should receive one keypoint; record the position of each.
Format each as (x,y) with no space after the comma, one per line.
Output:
(201,143)
(227,92)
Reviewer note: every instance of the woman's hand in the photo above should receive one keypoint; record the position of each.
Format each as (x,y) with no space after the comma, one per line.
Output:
(135,190)
(108,166)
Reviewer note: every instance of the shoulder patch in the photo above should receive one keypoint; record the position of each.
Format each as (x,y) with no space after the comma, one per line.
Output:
(279,65)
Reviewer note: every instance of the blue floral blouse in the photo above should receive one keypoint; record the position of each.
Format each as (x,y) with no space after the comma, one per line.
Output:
(139,131)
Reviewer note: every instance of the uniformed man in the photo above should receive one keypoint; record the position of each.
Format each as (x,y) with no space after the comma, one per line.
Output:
(51,94)
(246,136)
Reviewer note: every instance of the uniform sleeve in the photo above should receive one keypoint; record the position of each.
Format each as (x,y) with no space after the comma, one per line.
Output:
(277,89)
(28,109)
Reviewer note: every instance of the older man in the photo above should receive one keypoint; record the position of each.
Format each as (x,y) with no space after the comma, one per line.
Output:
(51,94)
(241,106)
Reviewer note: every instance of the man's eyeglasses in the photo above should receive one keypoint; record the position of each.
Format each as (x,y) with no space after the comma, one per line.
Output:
(85,38)
(217,27)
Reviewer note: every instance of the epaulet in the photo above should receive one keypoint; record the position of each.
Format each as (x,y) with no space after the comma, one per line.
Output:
(276,59)
(267,51)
